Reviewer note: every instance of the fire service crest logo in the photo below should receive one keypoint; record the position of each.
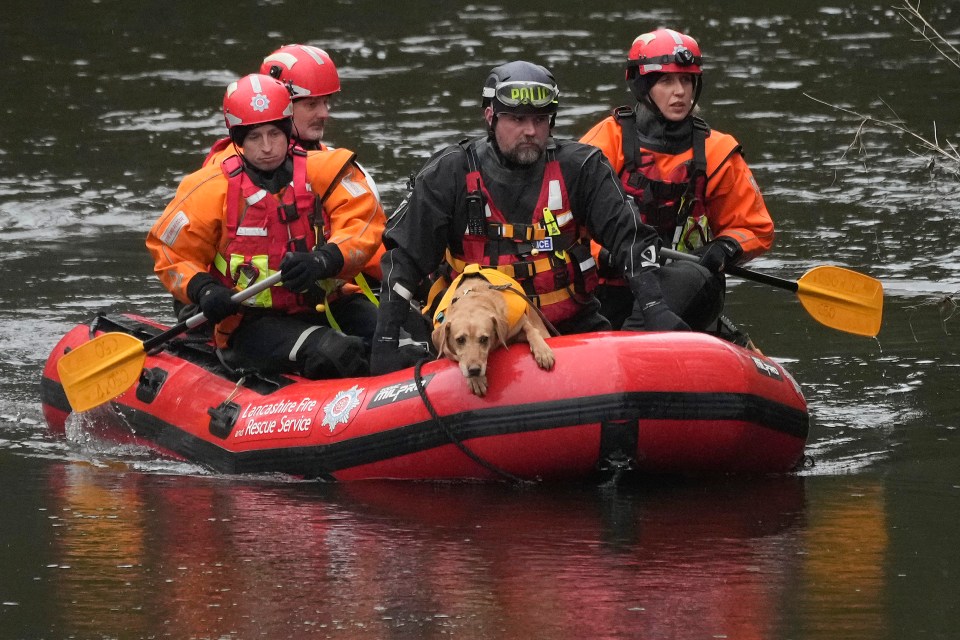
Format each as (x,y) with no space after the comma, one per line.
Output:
(260,102)
(338,410)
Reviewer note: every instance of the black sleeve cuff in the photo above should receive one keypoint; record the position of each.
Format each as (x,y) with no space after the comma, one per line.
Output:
(334,256)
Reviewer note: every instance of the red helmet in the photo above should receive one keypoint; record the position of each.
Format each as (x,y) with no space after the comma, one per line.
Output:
(662,51)
(256,99)
(307,71)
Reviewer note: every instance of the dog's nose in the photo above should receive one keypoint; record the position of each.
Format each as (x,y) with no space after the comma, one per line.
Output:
(474,371)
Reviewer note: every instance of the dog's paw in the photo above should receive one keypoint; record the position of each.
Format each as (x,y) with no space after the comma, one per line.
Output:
(544,357)
(478,385)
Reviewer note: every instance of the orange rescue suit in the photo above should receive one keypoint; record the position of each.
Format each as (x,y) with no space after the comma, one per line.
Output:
(734,205)
(186,239)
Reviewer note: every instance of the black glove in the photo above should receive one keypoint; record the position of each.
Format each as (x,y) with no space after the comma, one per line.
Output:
(717,254)
(213,298)
(302,269)
(655,314)
(386,354)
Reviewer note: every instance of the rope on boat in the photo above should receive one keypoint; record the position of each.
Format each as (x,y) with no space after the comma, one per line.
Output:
(486,464)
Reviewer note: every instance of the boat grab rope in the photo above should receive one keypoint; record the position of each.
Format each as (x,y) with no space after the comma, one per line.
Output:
(486,464)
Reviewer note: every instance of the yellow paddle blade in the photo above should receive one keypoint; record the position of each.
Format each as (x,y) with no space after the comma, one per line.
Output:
(842,299)
(100,370)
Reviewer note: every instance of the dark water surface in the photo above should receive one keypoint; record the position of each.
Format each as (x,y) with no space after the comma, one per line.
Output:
(107,104)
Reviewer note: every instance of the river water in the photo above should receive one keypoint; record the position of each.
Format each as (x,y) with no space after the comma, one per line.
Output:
(107,104)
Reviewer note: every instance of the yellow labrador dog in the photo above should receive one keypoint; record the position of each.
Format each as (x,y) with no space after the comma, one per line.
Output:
(478,314)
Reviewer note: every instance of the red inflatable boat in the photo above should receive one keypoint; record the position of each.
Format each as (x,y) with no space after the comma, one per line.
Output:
(675,403)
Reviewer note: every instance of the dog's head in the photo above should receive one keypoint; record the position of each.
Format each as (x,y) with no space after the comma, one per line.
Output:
(474,325)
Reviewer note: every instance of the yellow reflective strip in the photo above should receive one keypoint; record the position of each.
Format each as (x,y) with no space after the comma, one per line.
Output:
(550,222)
(221,264)
(365,288)
(330,319)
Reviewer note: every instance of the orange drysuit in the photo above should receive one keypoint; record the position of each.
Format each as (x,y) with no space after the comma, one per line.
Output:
(733,203)
(187,238)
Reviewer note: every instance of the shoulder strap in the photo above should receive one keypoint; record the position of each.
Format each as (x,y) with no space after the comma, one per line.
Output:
(232,168)
(476,219)
(627,119)
(700,132)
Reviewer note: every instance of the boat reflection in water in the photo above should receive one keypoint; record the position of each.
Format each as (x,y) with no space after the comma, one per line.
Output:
(145,554)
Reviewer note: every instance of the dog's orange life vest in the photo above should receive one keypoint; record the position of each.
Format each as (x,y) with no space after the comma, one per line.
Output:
(516,301)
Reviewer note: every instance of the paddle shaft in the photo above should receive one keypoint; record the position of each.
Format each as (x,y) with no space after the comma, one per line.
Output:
(199,319)
(740,272)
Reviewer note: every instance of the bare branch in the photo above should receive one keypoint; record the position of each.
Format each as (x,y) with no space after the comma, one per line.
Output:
(911,15)
(930,145)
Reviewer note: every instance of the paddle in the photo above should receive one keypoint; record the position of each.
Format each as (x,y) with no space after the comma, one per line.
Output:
(836,297)
(100,370)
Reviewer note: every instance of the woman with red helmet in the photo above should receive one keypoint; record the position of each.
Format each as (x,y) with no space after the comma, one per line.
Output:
(273,207)
(688,181)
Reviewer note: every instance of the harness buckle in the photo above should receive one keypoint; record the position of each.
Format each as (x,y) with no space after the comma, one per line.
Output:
(550,222)
(288,213)
(522,270)
(249,271)
(622,112)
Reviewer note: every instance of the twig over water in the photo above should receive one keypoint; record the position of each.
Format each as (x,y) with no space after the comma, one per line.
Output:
(948,152)
(911,15)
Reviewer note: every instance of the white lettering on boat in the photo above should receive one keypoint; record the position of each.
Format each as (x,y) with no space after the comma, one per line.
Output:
(766,368)
(281,419)
(397,392)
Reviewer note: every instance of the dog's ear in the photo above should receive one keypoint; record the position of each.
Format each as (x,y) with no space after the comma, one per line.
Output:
(440,337)
(501,330)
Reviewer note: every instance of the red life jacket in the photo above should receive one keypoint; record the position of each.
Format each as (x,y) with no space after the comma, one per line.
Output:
(670,204)
(262,228)
(549,257)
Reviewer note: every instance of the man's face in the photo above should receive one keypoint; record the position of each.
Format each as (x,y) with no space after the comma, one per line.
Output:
(265,147)
(310,117)
(522,138)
